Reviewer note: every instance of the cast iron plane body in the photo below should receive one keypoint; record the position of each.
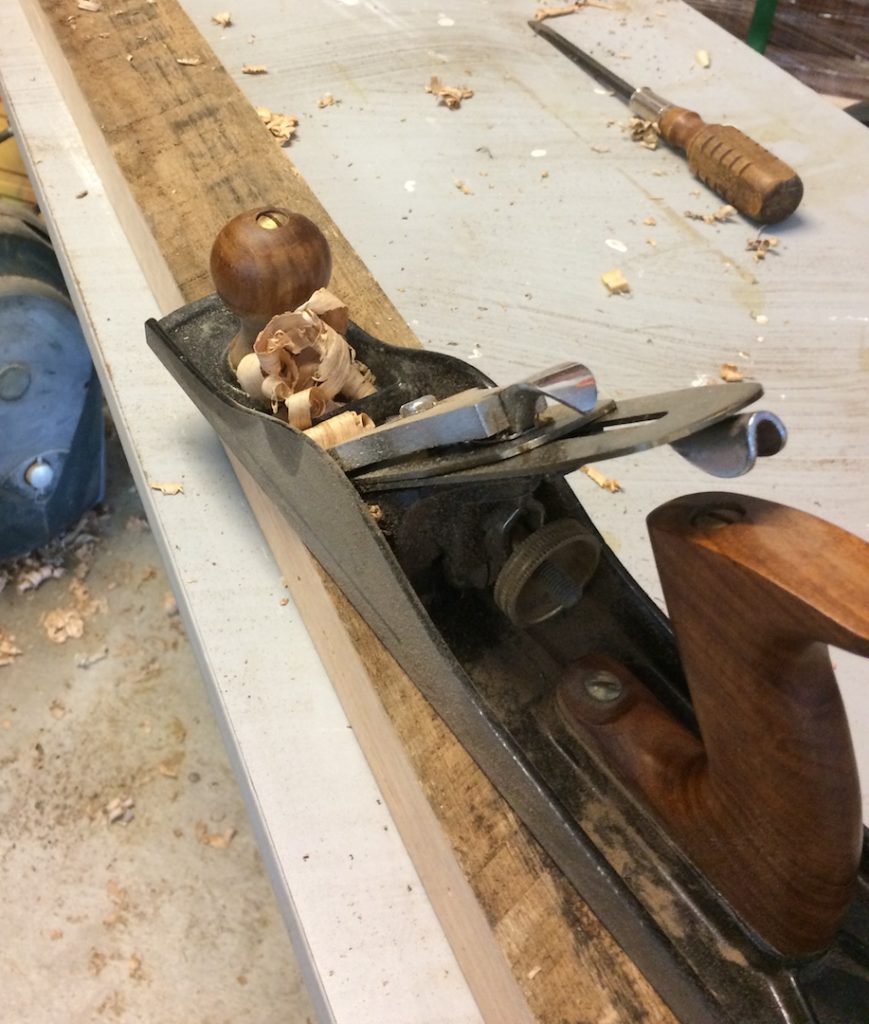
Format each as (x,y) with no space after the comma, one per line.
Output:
(421,572)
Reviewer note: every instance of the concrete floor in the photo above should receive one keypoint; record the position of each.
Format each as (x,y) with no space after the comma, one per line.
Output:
(131,883)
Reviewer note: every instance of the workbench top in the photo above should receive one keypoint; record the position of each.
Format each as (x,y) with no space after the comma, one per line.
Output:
(489,227)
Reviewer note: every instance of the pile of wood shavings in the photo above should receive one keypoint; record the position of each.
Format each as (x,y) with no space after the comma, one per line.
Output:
(281,126)
(720,216)
(647,133)
(759,247)
(449,96)
(73,551)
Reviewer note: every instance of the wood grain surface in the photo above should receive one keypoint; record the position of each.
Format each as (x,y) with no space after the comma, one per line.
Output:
(194,154)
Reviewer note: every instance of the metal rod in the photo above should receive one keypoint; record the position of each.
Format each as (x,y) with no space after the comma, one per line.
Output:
(601,73)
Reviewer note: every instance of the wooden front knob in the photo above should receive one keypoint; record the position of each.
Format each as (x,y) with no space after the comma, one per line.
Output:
(264,262)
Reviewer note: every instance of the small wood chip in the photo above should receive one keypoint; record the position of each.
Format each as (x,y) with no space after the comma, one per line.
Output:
(119,810)
(759,247)
(166,488)
(8,649)
(86,660)
(218,840)
(730,373)
(281,126)
(463,188)
(55,934)
(57,708)
(224,19)
(616,282)
(89,5)
(551,11)
(254,69)
(187,62)
(607,483)
(650,221)
(327,100)
(719,216)
(600,149)
(448,95)
(703,59)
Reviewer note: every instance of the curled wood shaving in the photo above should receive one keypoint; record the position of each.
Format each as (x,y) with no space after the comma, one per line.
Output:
(224,19)
(730,373)
(616,282)
(343,427)
(304,351)
(254,69)
(463,187)
(31,579)
(9,650)
(61,624)
(327,100)
(650,221)
(759,247)
(168,488)
(647,133)
(187,62)
(448,95)
(547,11)
(607,483)
(719,216)
(281,126)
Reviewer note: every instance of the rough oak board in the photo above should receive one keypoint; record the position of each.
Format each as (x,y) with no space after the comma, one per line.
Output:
(193,154)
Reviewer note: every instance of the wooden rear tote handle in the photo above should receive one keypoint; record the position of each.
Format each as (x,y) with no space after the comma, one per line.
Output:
(767,803)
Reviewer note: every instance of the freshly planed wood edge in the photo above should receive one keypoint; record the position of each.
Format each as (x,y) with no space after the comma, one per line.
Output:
(488,974)
(563,960)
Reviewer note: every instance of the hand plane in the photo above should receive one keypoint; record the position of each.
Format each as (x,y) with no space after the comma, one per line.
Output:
(693,777)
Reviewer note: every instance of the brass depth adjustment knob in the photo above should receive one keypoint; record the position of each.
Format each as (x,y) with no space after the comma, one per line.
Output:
(264,262)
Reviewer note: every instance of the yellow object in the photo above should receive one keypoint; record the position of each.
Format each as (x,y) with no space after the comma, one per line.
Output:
(14,183)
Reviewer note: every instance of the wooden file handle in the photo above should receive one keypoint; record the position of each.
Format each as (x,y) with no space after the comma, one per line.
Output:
(767,802)
(740,170)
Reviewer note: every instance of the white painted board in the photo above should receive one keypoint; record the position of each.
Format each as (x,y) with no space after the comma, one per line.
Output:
(509,276)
